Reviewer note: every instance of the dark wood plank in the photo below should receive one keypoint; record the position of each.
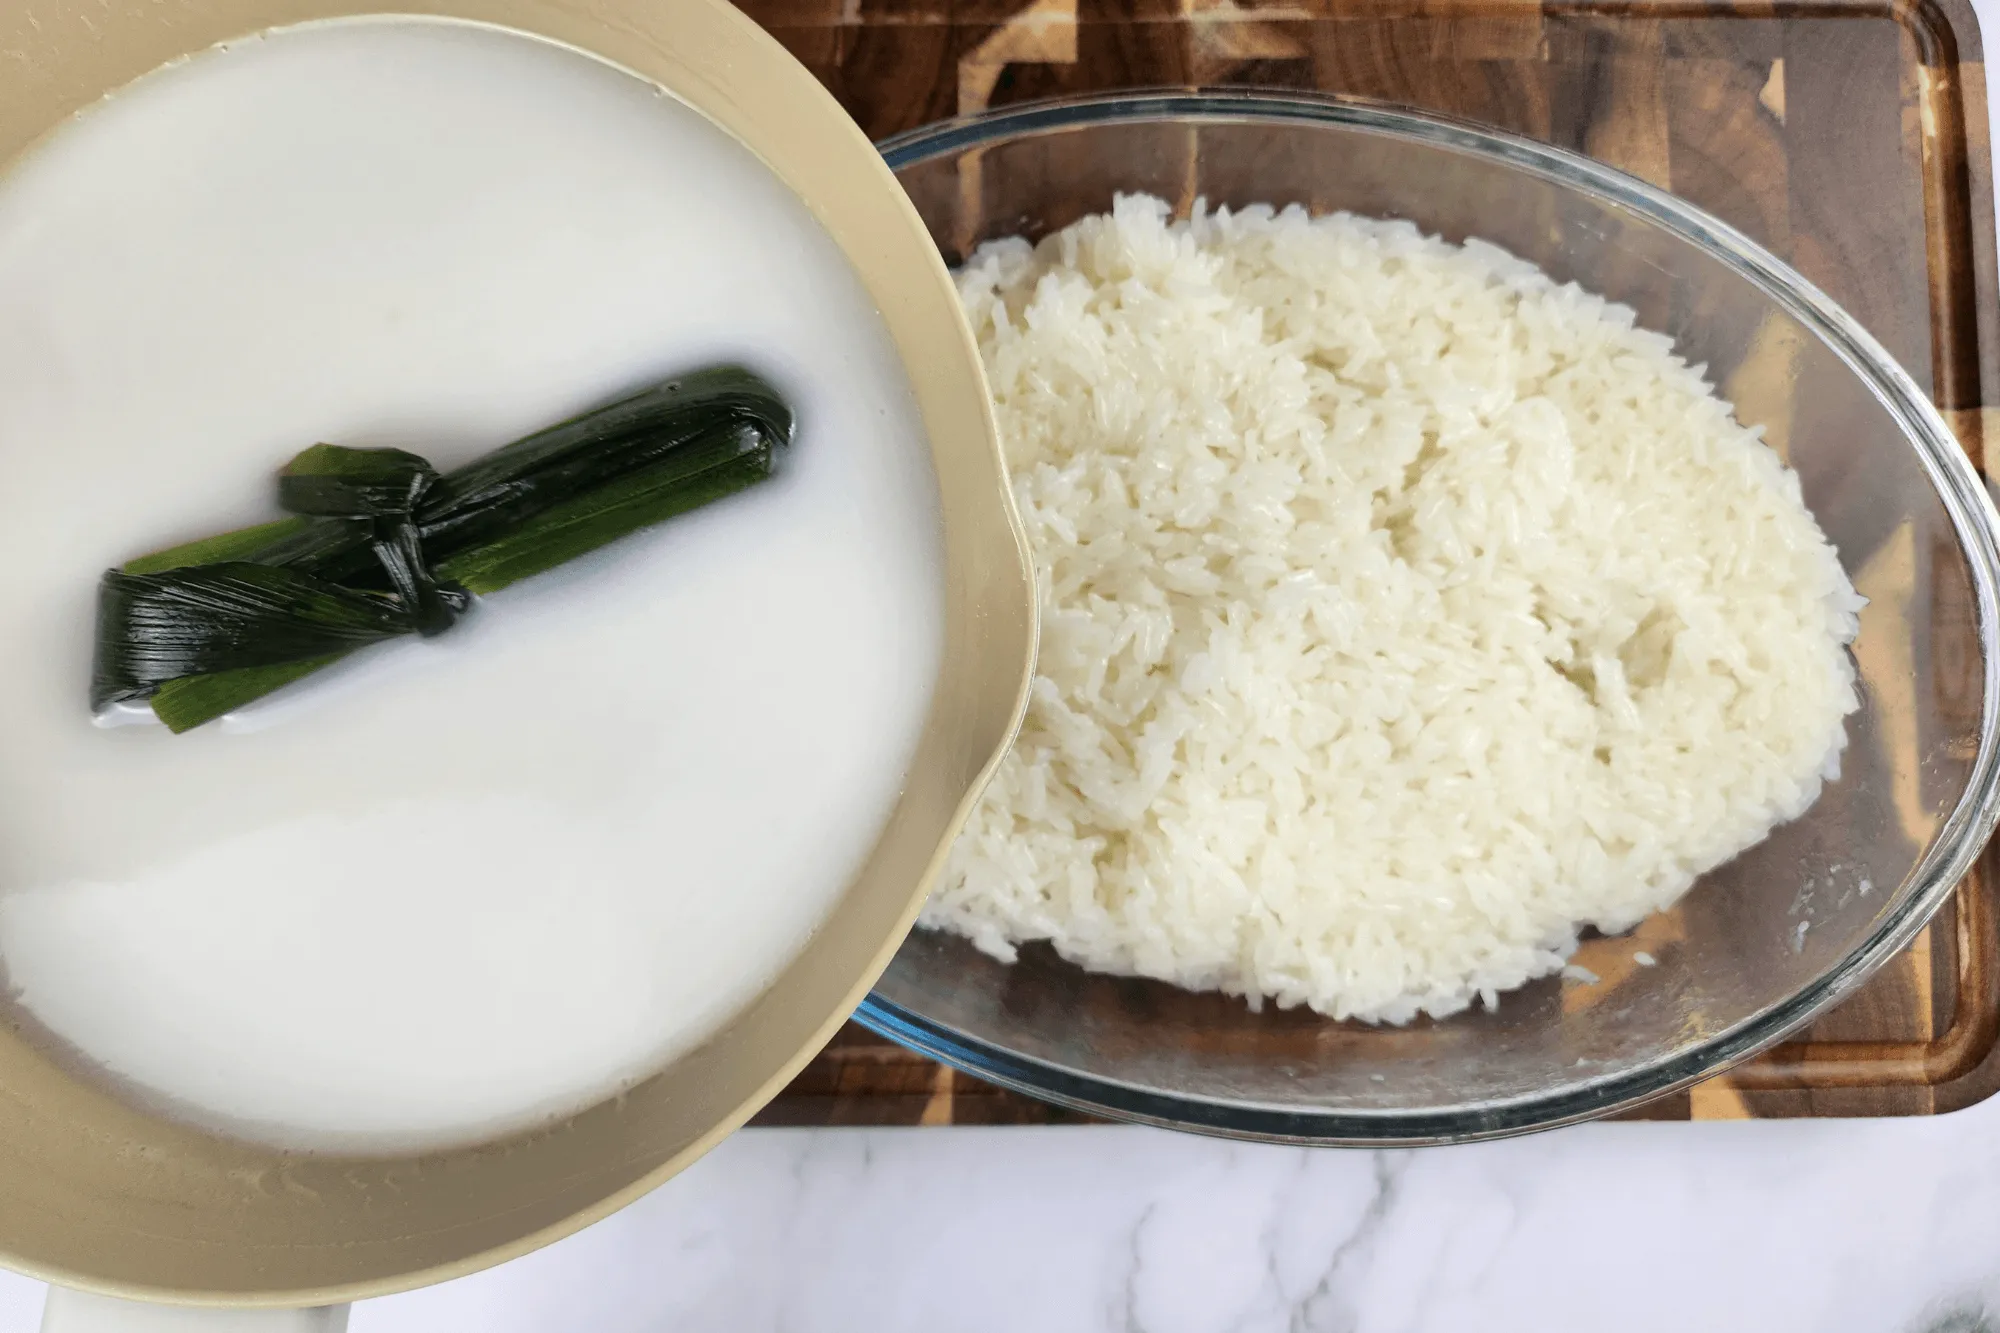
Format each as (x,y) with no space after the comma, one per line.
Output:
(1855,195)
(1611,99)
(883,71)
(1404,61)
(1726,145)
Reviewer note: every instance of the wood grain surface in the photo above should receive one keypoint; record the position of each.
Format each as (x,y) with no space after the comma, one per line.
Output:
(1849,136)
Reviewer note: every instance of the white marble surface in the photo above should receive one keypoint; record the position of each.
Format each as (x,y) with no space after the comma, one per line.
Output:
(1834,1227)
(1889,1226)
(1776,1227)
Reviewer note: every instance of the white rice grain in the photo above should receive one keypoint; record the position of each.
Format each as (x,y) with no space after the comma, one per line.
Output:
(1402,613)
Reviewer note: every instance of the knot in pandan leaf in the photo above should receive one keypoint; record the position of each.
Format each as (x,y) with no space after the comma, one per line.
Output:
(382,545)
(381,487)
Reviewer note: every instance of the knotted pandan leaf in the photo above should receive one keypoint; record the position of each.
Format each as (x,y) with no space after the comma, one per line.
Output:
(381,545)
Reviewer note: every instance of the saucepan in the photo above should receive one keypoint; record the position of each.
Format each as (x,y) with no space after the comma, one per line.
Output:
(131,1213)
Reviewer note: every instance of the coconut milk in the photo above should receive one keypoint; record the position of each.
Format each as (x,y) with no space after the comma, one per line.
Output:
(452,888)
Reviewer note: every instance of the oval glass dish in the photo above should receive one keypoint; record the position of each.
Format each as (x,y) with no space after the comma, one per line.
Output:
(1757,947)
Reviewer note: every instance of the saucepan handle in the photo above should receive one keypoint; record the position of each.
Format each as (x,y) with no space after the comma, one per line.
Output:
(79,1312)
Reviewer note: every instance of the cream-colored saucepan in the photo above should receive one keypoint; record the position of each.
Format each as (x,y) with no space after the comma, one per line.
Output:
(150,1217)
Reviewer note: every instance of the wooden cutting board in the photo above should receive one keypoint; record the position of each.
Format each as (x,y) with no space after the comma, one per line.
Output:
(1849,136)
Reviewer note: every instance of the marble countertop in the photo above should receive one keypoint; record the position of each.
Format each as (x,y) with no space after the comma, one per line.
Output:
(1885,1226)
(1646,1227)
(1827,1226)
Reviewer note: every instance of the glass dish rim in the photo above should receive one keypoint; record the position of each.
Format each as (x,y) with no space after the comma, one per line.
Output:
(1960,838)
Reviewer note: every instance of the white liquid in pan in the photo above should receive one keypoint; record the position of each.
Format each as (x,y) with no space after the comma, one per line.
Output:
(462,886)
